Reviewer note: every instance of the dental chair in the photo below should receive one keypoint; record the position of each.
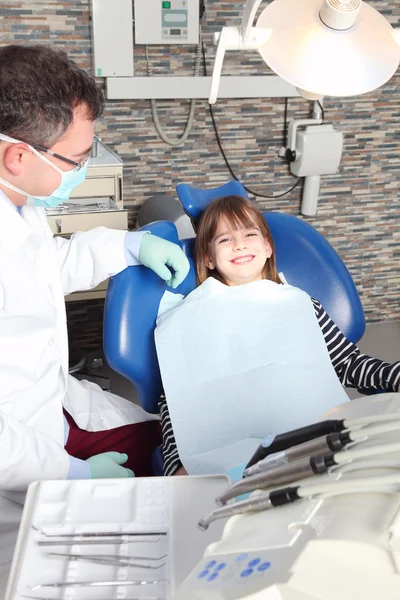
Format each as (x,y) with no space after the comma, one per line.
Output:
(303,255)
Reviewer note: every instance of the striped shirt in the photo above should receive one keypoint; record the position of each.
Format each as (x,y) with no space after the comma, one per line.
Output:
(353,369)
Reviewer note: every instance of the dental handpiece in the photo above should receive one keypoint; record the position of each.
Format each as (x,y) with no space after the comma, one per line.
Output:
(308,466)
(282,496)
(332,442)
(316,430)
(295,437)
(302,468)
(253,504)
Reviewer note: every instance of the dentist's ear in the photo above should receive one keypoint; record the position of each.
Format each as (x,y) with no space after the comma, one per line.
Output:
(14,157)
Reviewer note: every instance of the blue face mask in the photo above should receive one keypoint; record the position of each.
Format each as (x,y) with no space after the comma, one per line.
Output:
(69,180)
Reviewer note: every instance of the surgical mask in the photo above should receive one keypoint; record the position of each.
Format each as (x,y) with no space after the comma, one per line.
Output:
(69,180)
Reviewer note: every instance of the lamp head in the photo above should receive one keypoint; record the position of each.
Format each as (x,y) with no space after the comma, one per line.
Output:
(329,47)
(339,14)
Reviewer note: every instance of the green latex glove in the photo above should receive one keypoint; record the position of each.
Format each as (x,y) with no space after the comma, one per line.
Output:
(108,466)
(158,254)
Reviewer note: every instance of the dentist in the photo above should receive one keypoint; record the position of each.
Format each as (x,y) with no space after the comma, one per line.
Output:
(51,425)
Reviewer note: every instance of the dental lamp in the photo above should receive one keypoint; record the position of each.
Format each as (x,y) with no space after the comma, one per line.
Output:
(322,47)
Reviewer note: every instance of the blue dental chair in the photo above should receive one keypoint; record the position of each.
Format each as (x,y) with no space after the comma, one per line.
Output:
(303,255)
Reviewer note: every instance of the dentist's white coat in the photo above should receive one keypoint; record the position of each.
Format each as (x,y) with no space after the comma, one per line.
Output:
(36,271)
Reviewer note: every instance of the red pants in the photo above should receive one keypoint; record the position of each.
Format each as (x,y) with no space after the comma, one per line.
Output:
(137,441)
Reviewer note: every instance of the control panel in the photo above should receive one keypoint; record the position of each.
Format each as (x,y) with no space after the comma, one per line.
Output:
(166,21)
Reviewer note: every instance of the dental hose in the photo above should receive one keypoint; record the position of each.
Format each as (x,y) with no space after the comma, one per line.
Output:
(288,495)
(298,464)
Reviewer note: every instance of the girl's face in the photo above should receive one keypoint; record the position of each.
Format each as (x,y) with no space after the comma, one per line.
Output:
(238,254)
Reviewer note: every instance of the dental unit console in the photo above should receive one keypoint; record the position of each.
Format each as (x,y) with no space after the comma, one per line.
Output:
(302,536)
(322,523)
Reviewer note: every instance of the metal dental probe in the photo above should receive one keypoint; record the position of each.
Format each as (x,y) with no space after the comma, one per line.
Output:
(75,584)
(88,542)
(102,559)
(52,598)
(101,534)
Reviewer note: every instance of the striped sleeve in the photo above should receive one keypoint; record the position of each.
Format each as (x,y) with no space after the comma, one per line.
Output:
(353,368)
(170,451)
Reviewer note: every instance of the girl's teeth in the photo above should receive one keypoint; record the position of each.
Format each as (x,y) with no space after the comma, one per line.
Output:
(242,260)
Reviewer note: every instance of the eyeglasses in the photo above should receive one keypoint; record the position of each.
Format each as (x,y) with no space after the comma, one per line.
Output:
(77,165)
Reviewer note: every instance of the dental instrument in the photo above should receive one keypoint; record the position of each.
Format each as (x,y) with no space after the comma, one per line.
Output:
(100,534)
(84,542)
(302,468)
(101,559)
(287,495)
(332,441)
(304,434)
(89,512)
(51,598)
(75,584)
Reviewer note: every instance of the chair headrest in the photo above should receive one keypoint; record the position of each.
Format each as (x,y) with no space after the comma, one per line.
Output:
(163,229)
(195,200)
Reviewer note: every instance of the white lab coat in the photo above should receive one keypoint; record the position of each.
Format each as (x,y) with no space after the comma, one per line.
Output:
(36,271)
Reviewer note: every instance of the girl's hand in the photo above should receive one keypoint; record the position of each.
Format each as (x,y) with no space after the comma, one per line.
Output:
(181,471)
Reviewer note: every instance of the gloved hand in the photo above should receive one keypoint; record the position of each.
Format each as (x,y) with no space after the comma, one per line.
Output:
(159,254)
(108,466)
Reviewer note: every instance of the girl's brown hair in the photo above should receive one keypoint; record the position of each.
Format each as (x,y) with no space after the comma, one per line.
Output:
(239,212)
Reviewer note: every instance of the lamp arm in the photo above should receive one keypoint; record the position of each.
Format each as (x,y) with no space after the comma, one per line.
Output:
(229,39)
(249,14)
(292,130)
(396,35)
(245,37)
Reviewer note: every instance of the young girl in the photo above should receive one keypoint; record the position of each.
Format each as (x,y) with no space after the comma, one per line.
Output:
(234,246)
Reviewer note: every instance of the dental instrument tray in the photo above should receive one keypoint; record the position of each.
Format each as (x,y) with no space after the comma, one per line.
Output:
(112,539)
(83,205)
